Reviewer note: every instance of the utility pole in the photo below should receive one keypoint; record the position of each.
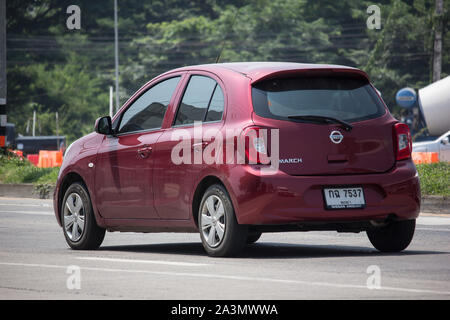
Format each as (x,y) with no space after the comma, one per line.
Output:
(116,49)
(437,58)
(34,123)
(3,118)
(111,102)
(57,130)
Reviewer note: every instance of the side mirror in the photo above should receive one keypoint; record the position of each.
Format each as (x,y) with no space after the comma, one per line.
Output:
(445,141)
(103,125)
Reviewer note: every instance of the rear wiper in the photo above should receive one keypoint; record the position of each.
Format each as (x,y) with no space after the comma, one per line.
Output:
(323,119)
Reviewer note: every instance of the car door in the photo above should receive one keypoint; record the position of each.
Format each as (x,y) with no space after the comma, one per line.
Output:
(123,175)
(444,149)
(202,102)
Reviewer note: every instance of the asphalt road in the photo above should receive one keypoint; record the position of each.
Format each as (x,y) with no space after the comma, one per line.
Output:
(36,263)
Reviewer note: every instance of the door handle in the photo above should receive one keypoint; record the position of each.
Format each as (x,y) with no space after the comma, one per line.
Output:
(202,145)
(144,152)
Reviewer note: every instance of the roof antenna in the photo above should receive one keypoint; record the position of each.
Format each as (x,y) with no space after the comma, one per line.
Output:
(226,36)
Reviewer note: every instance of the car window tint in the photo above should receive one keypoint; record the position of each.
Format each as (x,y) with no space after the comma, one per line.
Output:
(196,99)
(216,106)
(148,111)
(346,98)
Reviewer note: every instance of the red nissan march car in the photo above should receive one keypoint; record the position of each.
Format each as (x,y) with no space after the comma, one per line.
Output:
(234,150)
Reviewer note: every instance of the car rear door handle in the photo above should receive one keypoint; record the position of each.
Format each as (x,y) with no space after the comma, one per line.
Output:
(144,152)
(200,145)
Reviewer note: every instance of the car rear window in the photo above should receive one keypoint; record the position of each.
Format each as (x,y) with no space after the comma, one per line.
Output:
(345,98)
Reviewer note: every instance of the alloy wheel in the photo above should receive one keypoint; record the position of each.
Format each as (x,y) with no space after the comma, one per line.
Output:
(213,221)
(74,217)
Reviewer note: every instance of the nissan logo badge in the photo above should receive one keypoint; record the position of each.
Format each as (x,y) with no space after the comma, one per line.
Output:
(336,137)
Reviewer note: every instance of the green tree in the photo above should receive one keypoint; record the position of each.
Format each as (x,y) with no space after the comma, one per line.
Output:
(51,68)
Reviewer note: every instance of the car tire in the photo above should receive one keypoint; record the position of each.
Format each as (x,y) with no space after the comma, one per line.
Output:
(394,237)
(78,221)
(252,237)
(220,232)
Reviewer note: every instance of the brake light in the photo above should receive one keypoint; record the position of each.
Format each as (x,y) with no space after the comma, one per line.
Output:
(255,143)
(402,141)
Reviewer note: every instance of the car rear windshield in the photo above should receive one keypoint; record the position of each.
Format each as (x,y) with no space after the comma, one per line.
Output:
(346,98)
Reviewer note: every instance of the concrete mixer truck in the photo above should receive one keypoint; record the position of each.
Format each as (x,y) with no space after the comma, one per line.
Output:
(434,104)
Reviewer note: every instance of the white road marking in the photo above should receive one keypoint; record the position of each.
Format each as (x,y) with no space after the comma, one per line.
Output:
(421,221)
(25,199)
(170,263)
(433,229)
(433,221)
(44,205)
(425,221)
(238,278)
(44,213)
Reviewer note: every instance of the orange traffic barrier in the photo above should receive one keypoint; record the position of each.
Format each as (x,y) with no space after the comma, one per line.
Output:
(33,158)
(425,157)
(49,159)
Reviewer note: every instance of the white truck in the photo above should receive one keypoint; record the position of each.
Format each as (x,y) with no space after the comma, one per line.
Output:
(440,145)
(434,103)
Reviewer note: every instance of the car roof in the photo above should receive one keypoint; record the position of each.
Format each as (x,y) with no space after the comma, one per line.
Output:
(258,71)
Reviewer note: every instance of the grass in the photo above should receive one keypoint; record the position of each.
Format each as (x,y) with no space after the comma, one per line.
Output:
(434,178)
(14,170)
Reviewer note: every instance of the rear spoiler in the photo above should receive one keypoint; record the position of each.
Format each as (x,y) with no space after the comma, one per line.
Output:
(340,71)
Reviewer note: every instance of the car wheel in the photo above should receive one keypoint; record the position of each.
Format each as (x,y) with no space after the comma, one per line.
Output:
(394,237)
(220,232)
(79,226)
(253,237)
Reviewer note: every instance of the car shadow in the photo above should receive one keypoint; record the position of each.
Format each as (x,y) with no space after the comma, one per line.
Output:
(267,250)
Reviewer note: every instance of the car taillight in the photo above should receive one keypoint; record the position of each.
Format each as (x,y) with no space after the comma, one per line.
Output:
(255,141)
(402,141)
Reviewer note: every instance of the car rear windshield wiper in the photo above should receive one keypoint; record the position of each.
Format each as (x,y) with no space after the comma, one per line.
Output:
(323,119)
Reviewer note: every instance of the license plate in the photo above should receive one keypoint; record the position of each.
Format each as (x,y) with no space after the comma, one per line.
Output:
(344,198)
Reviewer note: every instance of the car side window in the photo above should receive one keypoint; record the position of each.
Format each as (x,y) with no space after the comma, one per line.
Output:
(446,140)
(215,110)
(148,111)
(202,101)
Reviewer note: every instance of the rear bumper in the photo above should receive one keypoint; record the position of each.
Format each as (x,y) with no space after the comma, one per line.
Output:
(284,199)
